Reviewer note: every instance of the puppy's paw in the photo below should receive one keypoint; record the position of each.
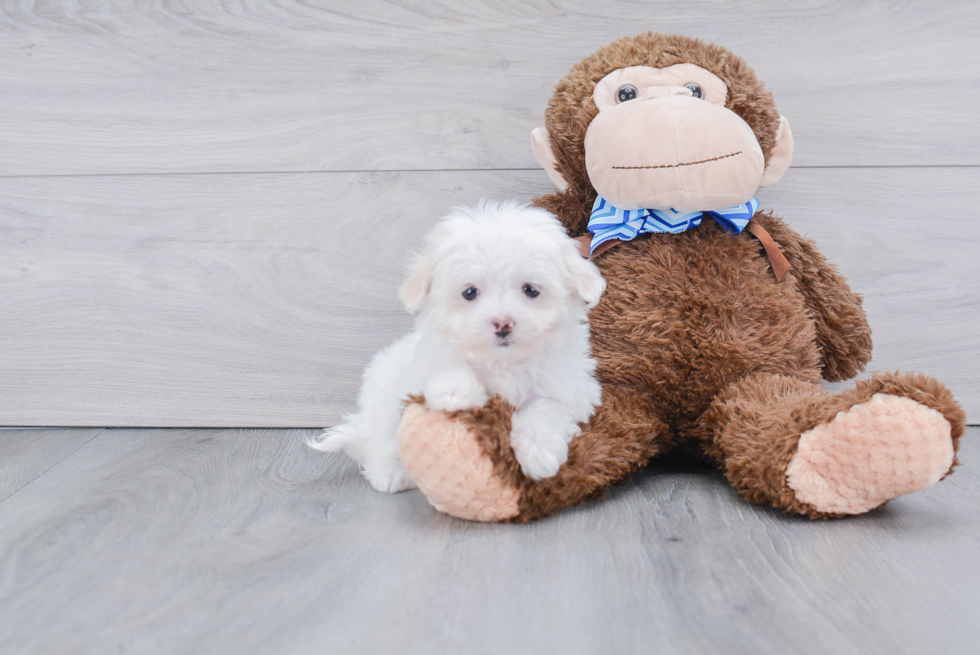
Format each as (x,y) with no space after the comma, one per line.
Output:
(539,437)
(453,390)
(538,447)
(539,463)
(387,475)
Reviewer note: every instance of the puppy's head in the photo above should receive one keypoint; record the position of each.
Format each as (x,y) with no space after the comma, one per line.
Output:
(497,280)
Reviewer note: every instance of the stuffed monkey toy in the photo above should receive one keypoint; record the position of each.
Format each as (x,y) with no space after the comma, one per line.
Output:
(718,321)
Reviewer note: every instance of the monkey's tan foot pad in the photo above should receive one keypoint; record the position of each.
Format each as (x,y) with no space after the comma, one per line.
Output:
(452,471)
(877,450)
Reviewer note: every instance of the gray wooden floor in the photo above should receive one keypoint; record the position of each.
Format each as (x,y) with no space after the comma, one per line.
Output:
(246,541)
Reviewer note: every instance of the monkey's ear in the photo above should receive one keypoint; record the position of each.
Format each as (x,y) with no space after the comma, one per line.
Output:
(418,281)
(541,144)
(781,155)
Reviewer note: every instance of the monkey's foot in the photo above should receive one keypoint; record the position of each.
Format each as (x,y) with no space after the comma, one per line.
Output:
(449,462)
(885,447)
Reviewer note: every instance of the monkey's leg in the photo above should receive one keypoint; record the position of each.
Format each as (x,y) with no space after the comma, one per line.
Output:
(463,463)
(792,445)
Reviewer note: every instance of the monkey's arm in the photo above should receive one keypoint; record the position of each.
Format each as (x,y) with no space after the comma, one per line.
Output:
(843,333)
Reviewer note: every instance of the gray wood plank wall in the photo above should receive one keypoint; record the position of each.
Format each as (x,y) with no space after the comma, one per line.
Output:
(204,207)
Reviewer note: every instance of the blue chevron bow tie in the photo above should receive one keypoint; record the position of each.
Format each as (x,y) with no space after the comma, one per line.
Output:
(608,222)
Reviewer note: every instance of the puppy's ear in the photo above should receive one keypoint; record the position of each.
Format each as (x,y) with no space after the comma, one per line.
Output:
(585,276)
(418,281)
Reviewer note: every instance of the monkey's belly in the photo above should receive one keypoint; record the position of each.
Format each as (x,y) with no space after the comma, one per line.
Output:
(686,315)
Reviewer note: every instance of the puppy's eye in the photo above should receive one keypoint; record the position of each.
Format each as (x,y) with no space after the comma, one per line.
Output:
(625,93)
(471,292)
(695,90)
(530,291)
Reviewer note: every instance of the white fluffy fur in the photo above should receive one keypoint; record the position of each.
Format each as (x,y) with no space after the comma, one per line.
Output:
(455,356)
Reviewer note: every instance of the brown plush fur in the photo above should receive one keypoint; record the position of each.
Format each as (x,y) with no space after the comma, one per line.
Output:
(622,440)
(753,428)
(697,344)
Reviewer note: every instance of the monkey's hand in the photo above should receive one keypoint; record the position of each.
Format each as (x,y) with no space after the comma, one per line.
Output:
(462,461)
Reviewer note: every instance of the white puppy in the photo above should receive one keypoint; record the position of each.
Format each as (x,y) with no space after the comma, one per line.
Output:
(504,297)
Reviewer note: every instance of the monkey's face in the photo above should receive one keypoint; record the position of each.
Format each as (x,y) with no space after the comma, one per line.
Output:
(677,137)
(663,139)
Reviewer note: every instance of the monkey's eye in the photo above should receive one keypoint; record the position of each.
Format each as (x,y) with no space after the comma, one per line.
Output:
(695,90)
(530,291)
(471,293)
(625,93)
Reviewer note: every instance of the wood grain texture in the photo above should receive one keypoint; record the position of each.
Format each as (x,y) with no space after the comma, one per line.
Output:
(170,300)
(256,300)
(27,454)
(205,86)
(194,541)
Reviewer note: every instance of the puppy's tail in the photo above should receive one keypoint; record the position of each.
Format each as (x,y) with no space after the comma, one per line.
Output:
(333,439)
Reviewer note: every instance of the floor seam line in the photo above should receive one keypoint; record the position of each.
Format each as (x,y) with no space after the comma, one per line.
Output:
(67,455)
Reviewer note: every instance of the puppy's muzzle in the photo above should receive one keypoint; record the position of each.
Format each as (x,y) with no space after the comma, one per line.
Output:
(503,328)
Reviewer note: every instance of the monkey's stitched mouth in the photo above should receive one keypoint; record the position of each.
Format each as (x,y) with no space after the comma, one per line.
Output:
(690,163)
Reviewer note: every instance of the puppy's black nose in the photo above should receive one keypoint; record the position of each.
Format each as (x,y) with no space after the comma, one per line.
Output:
(502,327)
